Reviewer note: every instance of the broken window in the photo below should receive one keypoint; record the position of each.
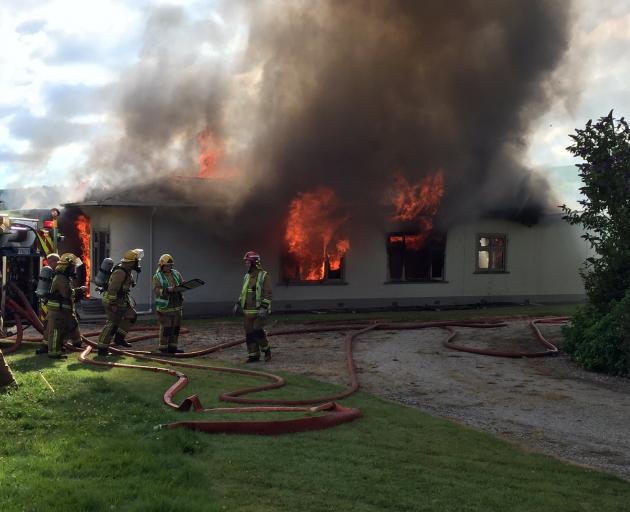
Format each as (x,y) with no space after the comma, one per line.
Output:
(329,269)
(491,252)
(416,257)
(100,249)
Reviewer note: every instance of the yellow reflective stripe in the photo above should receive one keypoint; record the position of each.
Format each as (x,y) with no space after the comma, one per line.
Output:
(47,246)
(243,296)
(53,304)
(166,310)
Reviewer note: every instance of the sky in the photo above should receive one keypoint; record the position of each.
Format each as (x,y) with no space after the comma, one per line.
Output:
(61,61)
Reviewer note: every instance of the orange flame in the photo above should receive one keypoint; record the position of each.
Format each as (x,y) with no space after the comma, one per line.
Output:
(420,200)
(312,235)
(418,203)
(82,225)
(209,154)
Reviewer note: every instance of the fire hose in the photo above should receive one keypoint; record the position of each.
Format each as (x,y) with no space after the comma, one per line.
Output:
(319,412)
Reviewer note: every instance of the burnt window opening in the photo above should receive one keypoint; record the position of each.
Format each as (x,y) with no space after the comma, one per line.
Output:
(298,271)
(416,257)
(100,249)
(491,252)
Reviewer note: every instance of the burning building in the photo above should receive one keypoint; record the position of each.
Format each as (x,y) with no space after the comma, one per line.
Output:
(371,151)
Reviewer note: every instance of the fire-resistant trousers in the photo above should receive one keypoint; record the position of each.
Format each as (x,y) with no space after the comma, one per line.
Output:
(119,321)
(255,336)
(170,323)
(62,325)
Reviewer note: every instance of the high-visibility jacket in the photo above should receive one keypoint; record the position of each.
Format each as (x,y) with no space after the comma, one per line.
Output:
(165,301)
(256,291)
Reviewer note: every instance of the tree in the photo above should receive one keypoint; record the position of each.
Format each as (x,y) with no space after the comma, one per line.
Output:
(599,335)
(6,377)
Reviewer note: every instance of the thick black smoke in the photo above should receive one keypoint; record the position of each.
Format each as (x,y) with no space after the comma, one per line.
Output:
(345,94)
(354,91)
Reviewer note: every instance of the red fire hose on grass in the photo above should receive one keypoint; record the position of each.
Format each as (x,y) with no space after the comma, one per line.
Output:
(319,412)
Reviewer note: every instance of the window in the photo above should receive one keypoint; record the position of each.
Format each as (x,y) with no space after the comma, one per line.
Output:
(100,249)
(491,253)
(314,270)
(416,257)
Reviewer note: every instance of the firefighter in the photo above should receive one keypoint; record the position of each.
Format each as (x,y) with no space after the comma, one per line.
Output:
(61,318)
(51,261)
(255,302)
(118,303)
(168,303)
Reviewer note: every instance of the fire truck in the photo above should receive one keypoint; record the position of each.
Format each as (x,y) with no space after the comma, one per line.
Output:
(24,244)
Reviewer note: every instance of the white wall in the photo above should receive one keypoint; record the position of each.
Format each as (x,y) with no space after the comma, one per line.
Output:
(542,264)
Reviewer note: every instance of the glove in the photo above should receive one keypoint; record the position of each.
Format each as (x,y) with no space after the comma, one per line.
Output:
(236,309)
(263,313)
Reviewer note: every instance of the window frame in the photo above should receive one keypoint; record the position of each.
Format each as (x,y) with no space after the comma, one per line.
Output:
(95,241)
(405,279)
(478,249)
(327,281)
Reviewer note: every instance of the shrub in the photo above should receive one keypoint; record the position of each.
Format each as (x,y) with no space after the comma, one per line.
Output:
(601,342)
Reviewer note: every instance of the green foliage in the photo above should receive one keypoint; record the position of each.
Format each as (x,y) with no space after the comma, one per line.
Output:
(601,342)
(604,147)
(90,445)
(598,336)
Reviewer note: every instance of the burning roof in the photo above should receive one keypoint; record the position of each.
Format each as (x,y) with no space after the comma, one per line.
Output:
(357,98)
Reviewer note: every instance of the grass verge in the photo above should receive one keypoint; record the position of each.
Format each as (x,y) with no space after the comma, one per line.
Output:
(90,445)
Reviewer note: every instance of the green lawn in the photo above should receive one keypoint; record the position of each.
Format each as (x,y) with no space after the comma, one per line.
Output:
(91,446)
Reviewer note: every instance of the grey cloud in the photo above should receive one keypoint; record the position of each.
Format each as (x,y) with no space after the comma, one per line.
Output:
(45,133)
(77,99)
(30,27)
(74,49)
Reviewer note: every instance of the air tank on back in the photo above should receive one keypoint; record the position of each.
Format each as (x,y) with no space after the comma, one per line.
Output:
(104,272)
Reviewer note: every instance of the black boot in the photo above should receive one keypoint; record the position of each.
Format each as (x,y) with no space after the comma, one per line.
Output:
(120,341)
(42,350)
(174,350)
(58,355)
(267,355)
(102,351)
(253,359)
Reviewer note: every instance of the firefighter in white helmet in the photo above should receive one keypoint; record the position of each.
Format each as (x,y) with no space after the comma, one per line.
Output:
(168,303)
(118,303)
(62,323)
(255,301)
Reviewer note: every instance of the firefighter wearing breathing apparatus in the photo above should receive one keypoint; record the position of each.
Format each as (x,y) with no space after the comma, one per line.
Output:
(62,323)
(168,303)
(46,275)
(118,303)
(255,302)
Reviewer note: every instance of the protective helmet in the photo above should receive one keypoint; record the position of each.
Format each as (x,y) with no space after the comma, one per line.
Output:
(52,259)
(166,259)
(252,257)
(133,255)
(69,259)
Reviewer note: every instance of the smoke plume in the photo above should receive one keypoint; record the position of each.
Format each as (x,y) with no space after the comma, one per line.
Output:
(344,95)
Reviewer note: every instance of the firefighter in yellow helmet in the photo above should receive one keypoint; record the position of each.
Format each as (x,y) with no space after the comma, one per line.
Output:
(51,261)
(62,323)
(118,303)
(255,301)
(168,303)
